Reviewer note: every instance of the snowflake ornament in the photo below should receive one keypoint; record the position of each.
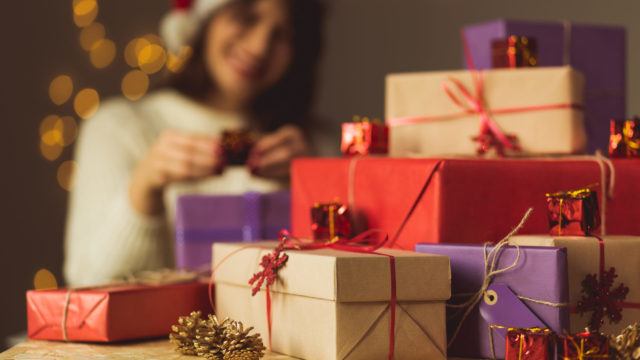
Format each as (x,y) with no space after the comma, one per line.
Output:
(601,298)
(270,264)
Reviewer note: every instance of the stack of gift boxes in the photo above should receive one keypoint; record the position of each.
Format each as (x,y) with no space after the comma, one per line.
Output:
(473,223)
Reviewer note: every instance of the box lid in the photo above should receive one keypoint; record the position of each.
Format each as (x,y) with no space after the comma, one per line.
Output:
(339,275)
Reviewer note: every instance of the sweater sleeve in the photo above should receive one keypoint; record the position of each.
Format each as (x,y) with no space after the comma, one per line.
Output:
(105,237)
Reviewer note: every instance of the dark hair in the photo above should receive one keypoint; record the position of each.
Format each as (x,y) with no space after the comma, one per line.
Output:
(290,100)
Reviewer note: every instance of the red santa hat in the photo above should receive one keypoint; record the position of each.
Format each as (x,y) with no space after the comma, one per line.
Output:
(181,24)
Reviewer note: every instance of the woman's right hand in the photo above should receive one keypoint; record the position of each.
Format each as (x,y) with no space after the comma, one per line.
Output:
(175,156)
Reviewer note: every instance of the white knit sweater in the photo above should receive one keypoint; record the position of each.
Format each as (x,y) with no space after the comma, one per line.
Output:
(105,237)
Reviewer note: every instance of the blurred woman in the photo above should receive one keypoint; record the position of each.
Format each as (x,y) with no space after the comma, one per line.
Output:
(253,66)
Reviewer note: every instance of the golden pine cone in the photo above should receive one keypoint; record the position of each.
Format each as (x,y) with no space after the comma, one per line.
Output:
(184,333)
(209,338)
(627,344)
(239,345)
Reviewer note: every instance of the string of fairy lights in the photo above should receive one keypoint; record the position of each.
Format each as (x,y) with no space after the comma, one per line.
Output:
(146,57)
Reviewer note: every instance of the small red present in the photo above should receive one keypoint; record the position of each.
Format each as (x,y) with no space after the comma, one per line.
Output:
(330,221)
(108,314)
(573,213)
(364,137)
(514,52)
(529,344)
(624,141)
(586,346)
(235,146)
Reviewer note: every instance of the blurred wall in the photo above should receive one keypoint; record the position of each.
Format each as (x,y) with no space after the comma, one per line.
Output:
(366,40)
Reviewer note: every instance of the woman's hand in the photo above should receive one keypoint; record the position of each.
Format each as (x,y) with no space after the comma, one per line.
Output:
(175,156)
(272,154)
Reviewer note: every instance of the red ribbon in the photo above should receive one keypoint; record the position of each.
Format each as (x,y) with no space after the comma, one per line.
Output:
(365,243)
(490,134)
(623,304)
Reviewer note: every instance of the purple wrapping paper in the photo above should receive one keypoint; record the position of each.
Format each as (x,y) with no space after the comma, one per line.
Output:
(541,274)
(202,220)
(599,52)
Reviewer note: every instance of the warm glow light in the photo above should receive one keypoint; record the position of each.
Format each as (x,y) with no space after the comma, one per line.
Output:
(50,152)
(133,49)
(65,174)
(175,63)
(84,12)
(152,58)
(91,35)
(60,89)
(102,53)
(86,103)
(135,85)
(44,280)
(58,131)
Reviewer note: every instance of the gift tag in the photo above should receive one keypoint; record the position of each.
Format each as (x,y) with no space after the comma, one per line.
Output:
(502,307)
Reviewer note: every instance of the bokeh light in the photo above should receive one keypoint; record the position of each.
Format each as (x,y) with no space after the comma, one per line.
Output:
(175,63)
(86,103)
(60,89)
(84,12)
(152,58)
(91,35)
(50,152)
(65,174)
(102,53)
(133,49)
(135,85)
(56,130)
(44,280)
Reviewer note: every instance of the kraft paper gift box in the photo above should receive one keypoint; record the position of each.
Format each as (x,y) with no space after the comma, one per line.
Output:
(599,52)
(467,200)
(202,220)
(109,314)
(584,256)
(539,106)
(330,304)
(539,274)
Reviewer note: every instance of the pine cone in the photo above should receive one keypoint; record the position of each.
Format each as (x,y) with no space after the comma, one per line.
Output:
(627,344)
(209,338)
(183,333)
(239,345)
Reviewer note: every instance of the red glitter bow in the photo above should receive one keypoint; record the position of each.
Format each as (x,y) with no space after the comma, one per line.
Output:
(270,264)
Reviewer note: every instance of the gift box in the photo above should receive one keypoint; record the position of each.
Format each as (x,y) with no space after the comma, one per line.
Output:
(330,221)
(464,200)
(530,292)
(364,137)
(588,257)
(573,212)
(598,52)
(529,344)
(329,304)
(624,141)
(514,51)
(525,111)
(586,345)
(202,220)
(114,313)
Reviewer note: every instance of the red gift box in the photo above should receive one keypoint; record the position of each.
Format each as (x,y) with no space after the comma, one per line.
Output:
(586,346)
(109,314)
(364,138)
(330,221)
(467,200)
(529,344)
(573,213)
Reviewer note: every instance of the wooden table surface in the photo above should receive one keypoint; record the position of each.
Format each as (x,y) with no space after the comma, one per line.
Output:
(49,350)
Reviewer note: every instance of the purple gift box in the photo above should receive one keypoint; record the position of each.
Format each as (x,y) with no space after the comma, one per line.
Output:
(532,293)
(599,52)
(202,220)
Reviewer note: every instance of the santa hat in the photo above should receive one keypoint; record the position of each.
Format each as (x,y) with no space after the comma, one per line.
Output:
(181,24)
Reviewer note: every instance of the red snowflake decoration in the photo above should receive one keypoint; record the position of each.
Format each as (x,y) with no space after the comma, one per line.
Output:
(270,264)
(601,298)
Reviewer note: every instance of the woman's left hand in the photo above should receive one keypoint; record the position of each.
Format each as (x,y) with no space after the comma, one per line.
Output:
(272,154)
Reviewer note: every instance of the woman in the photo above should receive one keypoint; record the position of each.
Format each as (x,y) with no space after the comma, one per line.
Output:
(253,66)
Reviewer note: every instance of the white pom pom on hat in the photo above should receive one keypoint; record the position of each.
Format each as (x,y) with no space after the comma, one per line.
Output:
(181,24)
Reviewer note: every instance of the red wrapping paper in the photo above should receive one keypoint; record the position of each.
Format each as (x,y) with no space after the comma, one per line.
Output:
(113,314)
(586,346)
(528,344)
(364,138)
(573,213)
(468,201)
(330,221)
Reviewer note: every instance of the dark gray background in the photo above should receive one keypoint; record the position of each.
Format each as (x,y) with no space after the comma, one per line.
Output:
(366,39)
